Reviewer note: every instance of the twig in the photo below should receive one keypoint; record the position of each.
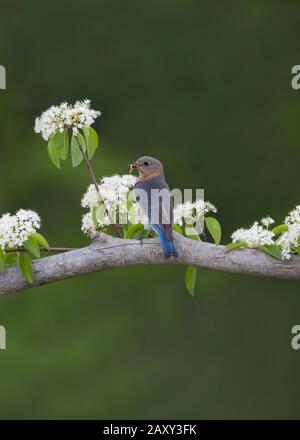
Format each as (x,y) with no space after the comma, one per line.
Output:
(93,178)
(51,249)
(89,167)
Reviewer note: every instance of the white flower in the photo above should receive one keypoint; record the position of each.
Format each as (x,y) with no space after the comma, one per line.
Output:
(293,216)
(15,229)
(255,236)
(88,225)
(267,221)
(192,212)
(288,240)
(91,197)
(112,190)
(114,194)
(57,118)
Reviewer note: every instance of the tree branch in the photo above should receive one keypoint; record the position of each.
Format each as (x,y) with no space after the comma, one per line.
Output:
(109,252)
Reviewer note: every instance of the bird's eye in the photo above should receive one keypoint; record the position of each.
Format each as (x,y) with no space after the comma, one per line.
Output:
(146,163)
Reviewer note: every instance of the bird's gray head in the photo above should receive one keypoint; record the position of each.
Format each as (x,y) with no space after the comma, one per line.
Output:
(147,167)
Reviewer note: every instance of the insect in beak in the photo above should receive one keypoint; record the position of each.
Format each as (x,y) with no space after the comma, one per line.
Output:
(132,166)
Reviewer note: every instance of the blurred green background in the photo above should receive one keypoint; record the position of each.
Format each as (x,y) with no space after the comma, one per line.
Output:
(205,87)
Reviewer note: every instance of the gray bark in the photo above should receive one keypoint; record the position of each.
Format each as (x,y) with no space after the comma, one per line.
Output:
(108,252)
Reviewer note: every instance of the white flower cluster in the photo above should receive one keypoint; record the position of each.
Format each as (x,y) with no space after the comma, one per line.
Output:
(267,221)
(88,226)
(192,212)
(57,118)
(257,235)
(15,229)
(113,196)
(115,191)
(288,240)
(293,216)
(111,189)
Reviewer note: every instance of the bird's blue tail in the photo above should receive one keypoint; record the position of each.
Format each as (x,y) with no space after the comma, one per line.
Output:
(168,246)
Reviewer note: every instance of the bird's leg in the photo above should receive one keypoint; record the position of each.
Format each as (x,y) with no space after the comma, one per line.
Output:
(149,234)
(140,239)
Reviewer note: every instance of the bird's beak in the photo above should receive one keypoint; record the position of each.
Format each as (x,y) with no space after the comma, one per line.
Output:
(132,166)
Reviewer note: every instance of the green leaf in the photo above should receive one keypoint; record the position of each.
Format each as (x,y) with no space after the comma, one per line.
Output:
(53,154)
(94,215)
(100,214)
(2,260)
(91,139)
(41,240)
(147,232)
(191,232)
(133,229)
(76,154)
(59,141)
(190,279)
(298,248)
(131,212)
(273,250)
(231,246)
(178,229)
(214,228)
(63,150)
(125,228)
(32,246)
(26,267)
(279,229)
(12,258)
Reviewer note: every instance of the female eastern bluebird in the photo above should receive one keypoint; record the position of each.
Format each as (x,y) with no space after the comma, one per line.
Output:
(154,197)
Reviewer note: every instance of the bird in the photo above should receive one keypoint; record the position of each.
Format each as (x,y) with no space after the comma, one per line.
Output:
(154,197)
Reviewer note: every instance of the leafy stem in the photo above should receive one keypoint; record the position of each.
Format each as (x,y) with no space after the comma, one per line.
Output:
(93,179)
